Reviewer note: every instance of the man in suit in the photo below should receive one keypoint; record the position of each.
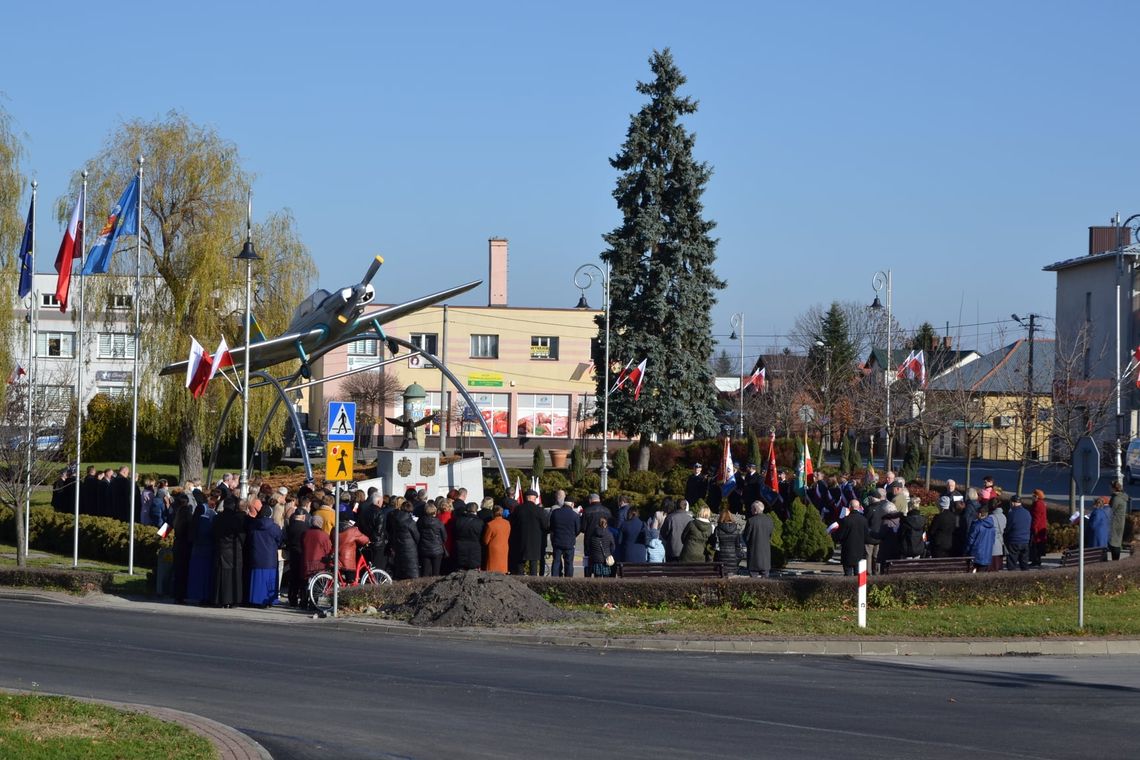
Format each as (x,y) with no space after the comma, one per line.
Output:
(852,538)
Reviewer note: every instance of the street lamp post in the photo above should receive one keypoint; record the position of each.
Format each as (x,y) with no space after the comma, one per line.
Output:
(248,255)
(878,282)
(738,331)
(584,277)
(1123,238)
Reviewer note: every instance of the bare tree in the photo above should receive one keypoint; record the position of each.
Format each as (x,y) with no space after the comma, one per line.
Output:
(374,393)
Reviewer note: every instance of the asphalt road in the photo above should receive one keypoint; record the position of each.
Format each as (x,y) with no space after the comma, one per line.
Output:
(316,689)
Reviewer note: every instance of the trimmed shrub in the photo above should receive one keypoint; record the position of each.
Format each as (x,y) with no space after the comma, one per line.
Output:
(553,481)
(103,539)
(912,463)
(674,482)
(577,465)
(621,464)
(76,581)
(754,455)
(538,463)
(804,534)
(647,483)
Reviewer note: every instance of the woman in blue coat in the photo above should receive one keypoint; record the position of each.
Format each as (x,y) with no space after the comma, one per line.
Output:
(631,539)
(201,555)
(1100,519)
(264,541)
(980,541)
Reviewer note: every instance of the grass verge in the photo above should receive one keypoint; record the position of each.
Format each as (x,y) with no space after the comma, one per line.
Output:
(1112,615)
(122,582)
(49,728)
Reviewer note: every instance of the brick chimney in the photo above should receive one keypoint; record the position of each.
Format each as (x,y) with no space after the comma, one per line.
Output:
(497,272)
(1103,239)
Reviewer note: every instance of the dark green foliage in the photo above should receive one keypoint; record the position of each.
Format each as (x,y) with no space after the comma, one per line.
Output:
(577,465)
(621,464)
(108,419)
(779,556)
(722,365)
(846,455)
(912,463)
(103,539)
(804,534)
(675,480)
(647,483)
(662,256)
(925,338)
(553,481)
(754,455)
(538,462)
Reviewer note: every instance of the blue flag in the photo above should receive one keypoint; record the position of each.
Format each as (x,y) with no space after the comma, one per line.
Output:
(27,265)
(123,220)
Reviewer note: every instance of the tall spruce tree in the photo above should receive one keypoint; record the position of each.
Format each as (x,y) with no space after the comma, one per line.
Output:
(662,282)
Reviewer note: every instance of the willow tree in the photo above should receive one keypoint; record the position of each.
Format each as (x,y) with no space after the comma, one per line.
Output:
(193,224)
(662,280)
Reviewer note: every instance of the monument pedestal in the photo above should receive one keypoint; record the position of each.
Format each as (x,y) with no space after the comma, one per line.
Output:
(419,468)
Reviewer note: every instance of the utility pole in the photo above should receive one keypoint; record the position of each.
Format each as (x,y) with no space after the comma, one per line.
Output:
(1030,404)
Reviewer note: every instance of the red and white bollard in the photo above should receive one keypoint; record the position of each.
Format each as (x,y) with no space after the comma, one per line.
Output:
(862,593)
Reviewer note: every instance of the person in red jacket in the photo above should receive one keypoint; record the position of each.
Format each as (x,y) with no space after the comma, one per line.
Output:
(351,539)
(315,546)
(1038,529)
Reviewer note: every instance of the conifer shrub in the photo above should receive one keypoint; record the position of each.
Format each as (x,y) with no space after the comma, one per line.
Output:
(620,465)
(538,463)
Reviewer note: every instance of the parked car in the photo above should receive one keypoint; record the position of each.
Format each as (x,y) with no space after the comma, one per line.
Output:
(1132,461)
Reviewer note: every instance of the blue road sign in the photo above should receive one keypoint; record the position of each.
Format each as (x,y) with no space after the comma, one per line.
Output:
(342,421)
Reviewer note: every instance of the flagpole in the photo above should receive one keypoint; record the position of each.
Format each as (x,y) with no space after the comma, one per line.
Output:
(135,380)
(80,241)
(31,374)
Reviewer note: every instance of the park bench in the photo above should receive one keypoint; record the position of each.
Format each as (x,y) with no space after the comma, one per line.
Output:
(929,565)
(670,570)
(1093,554)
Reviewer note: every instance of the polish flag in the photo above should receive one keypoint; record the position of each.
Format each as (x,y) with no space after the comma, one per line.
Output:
(198,369)
(637,377)
(17,372)
(624,375)
(914,368)
(1136,358)
(70,249)
(221,360)
(517,495)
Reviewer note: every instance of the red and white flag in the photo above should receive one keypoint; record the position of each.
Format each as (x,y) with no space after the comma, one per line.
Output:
(756,380)
(517,496)
(637,377)
(1136,358)
(199,369)
(17,372)
(221,359)
(70,249)
(622,377)
(913,368)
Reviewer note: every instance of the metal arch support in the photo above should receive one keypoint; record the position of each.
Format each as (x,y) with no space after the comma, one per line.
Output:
(281,391)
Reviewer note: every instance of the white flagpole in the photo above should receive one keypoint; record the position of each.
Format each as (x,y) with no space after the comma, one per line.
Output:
(80,242)
(135,380)
(31,374)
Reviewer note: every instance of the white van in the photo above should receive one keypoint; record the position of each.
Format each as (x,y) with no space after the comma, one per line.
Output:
(1132,462)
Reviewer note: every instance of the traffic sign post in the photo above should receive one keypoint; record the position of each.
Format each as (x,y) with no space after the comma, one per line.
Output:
(342,421)
(338,463)
(1086,472)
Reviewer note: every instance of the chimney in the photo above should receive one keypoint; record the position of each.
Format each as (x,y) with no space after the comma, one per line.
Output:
(947,342)
(497,274)
(1103,239)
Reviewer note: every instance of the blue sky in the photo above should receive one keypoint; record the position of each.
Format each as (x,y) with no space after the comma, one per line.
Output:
(963,145)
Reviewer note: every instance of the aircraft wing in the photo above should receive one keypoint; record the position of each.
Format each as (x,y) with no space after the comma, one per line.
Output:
(396,311)
(280,344)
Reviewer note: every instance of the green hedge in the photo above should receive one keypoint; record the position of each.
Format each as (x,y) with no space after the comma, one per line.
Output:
(80,581)
(102,539)
(808,592)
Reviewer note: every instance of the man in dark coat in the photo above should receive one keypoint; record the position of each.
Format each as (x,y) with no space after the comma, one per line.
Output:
(104,502)
(468,534)
(88,493)
(121,485)
(697,486)
(1016,538)
(229,547)
(874,514)
(565,525)
(404,538)
(295,531)
(753,485)
(943,528)
(63,492)
(852,538)
(673,530)
(758,539)
(526,535)
(591,515)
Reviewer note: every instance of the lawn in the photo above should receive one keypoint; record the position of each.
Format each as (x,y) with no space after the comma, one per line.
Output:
(123,582)
(50,728)
(1104,616)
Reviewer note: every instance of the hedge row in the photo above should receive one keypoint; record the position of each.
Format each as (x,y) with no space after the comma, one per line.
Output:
(80,581)
(102,539)
(808,592)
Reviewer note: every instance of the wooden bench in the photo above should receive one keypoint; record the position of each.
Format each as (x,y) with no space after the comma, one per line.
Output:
(669,570)
(929,565)
(1093,554)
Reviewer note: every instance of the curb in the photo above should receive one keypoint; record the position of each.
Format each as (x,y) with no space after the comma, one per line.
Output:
(831,647)
(230,743)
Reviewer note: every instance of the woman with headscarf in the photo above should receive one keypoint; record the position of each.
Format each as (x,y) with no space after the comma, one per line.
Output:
(183,524)
(264,541)
(202,553)
(229,550)
(600,549)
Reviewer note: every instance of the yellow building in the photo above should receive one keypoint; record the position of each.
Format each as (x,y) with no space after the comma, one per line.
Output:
(528,369)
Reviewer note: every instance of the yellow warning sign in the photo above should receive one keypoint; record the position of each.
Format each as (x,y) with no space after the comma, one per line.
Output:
(338,465)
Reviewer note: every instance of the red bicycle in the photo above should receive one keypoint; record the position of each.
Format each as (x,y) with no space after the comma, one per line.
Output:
(321,582)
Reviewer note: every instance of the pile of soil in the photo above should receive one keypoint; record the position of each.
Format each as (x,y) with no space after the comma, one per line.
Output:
(475,598)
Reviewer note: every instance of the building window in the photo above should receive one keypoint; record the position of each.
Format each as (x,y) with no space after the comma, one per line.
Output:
(49,299)
(492,407)
(122,301)
(113,391)
(366,347)
(432,406)
(484,346)
(116,346)
(428,342)
(543,415)
(53,398)
(543,348)
(59,344)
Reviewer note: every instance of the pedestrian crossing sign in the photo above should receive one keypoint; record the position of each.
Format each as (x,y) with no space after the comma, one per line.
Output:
(342,421)
(338,464)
